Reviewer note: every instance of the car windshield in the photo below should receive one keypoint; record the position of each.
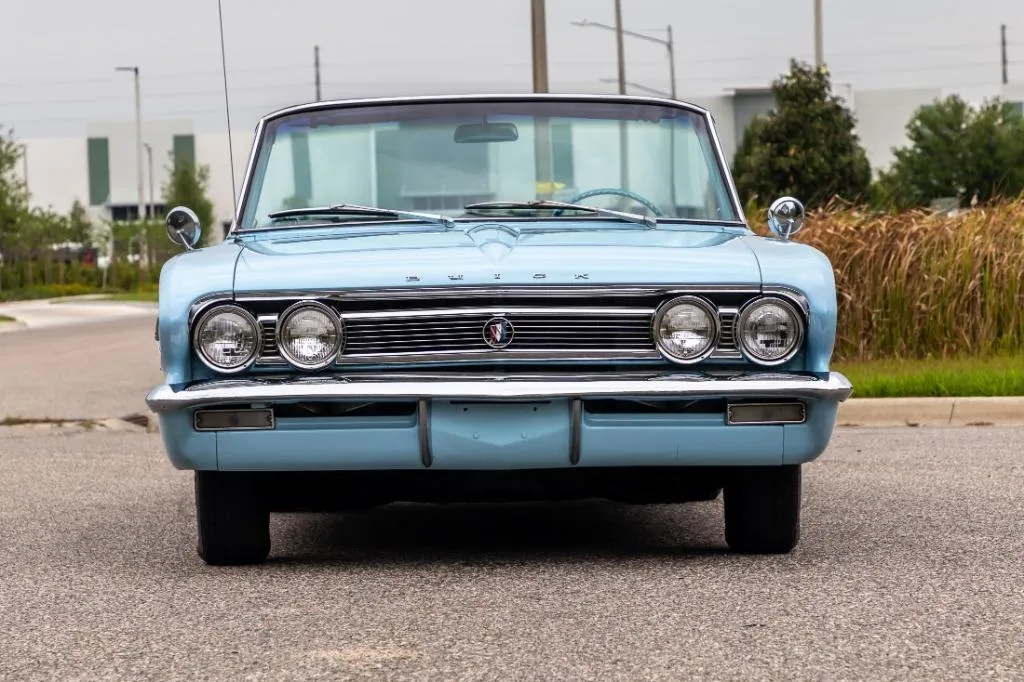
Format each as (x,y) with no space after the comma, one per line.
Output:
(445,156)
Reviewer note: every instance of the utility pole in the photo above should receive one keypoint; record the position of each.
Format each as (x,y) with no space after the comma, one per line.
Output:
(671,62)
(151,208)
(143,246)
(1002,40)
(316,68)
(618,47)
(819,49)
(545,187)
(540,45)
(623,132)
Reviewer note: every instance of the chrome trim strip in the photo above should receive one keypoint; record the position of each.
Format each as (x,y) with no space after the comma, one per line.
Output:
(204,302)
(575,430)
(539,290)
(482,97)
(448,312)
(423,431)
(794,295)
(164,398)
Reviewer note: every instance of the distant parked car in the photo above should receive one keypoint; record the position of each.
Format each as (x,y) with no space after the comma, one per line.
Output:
(403,312)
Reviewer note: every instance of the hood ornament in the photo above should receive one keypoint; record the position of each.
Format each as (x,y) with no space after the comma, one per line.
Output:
(494,240)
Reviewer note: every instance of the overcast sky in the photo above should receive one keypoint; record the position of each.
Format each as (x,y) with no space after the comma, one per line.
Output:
(58,57)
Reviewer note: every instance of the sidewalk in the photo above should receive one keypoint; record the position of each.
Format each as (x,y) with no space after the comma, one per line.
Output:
(56,312)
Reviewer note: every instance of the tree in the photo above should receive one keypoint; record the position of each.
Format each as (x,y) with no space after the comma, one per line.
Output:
(957,151)
(805,147)
(187,186)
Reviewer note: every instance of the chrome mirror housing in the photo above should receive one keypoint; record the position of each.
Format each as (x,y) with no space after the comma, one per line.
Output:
(785,217)
(182,225)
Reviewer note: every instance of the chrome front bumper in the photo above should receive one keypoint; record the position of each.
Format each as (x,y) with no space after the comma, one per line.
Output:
(394,387)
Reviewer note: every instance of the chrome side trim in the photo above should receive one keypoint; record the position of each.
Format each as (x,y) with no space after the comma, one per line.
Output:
(164,398)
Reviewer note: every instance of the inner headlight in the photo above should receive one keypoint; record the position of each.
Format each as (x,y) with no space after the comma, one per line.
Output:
(309,335)
(770,331)
(227,339)
(686,329)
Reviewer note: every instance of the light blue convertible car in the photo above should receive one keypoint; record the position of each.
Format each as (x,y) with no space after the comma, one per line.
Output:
(494,298)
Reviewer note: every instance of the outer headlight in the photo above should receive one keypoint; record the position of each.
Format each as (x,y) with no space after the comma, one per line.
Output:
(309,335)
(769,331)
(227,339)
(686,329)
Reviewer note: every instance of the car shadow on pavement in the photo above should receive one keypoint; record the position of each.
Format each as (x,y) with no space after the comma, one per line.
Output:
(415,533)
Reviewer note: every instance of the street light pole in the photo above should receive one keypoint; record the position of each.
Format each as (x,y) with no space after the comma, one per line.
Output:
(669,45)
(544,185)
(618,47)
(819,50)
(138,155)
(150,208)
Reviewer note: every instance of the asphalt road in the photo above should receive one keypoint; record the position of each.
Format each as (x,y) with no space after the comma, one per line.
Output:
(73,368)
(909,568)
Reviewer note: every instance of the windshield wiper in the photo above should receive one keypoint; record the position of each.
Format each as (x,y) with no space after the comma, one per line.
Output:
(356,209)
(649,221)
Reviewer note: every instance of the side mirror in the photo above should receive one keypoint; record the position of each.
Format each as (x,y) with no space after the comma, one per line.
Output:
(182,225)
(785,217)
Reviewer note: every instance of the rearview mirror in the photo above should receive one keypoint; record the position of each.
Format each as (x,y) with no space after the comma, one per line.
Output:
(182,225)
(486,132)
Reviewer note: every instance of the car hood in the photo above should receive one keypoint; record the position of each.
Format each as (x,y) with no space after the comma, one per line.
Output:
(491,253)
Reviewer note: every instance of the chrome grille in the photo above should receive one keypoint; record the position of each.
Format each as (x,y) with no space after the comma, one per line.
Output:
(533,332)
(458,334)
(727,339)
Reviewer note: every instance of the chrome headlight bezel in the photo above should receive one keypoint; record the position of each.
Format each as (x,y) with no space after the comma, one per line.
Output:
(244,314)
(744,317)
(331,315)
(709,308)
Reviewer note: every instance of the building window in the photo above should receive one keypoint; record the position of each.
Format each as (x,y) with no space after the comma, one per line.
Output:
(98,151)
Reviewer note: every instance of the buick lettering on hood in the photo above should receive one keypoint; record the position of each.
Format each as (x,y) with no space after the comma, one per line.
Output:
(494,298)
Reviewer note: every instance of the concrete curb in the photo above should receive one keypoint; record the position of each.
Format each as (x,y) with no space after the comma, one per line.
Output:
(875,412)
(1003,411)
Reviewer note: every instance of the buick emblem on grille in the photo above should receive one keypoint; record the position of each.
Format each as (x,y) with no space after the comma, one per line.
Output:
(498,332)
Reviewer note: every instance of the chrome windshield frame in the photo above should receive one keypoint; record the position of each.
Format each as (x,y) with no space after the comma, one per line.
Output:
(260,131)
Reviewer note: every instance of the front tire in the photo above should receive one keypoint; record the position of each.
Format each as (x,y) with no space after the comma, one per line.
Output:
(762,509)
(232,517)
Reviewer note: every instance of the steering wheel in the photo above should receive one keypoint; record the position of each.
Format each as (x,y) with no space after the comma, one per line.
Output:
(616,192)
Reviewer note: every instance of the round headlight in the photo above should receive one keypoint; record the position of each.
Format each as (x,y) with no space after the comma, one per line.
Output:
(309,335)
(770,331)
(686,329)
(227,339)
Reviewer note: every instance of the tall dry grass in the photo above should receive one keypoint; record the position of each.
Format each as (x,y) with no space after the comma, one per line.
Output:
(919,284)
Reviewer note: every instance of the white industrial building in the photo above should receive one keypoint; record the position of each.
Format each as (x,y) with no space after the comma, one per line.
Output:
(100,169)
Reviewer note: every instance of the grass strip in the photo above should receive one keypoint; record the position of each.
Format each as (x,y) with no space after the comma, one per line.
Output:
(949,377)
